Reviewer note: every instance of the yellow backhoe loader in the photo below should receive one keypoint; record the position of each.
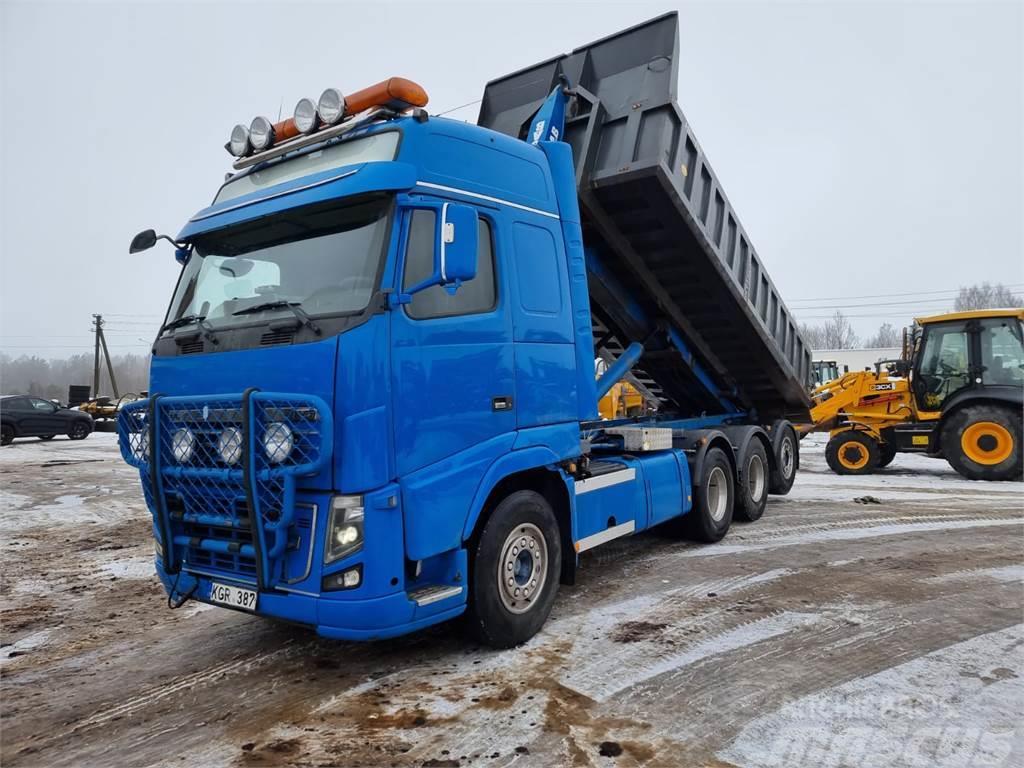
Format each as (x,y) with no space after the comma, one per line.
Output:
(957,393)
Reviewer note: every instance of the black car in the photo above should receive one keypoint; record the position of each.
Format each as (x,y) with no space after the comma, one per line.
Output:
(26,416)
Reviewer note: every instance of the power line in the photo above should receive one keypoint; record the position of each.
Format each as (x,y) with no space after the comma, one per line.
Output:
(461,106)
(952,291)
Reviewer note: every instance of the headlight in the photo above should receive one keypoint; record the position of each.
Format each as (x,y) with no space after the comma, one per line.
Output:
(183,444)
(139,442)
(278,441)
(305,116)
(331,106)
(344,528)
(229,445)
(239,143)
(261,133)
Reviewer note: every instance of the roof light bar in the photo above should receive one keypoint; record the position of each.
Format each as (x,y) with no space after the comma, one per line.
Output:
(391,96)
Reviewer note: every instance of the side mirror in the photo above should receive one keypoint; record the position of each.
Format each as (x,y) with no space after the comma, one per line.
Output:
(456,251)
(143,241)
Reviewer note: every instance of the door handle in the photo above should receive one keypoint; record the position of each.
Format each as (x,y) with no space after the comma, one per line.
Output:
(503,403)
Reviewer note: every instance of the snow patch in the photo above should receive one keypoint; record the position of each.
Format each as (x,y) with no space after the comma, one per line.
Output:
(27,643)
(953,707)
(133,568)
(1013,574)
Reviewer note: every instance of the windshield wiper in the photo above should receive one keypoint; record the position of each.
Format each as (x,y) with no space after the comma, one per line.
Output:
(200,320)
(297,310)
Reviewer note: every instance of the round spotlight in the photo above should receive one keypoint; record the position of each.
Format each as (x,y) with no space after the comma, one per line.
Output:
(239,144)
(261,133)
(278,441)
(305,116)
(229,445)
(183,444)
(331,106)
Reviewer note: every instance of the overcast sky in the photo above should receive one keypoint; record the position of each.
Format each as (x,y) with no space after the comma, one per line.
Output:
(868,148)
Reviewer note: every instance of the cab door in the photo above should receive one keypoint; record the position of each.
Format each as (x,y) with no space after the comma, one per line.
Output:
(452,361)
(944,364)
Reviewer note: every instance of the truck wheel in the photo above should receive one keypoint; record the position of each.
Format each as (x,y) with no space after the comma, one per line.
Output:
(852,453)
(752,489)
(886,453)
(79,431)
(786,458)
(6,434)
(983,442)
(515,571)
(713,499)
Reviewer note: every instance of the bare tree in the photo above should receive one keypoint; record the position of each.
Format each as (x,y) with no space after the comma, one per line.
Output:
(887,336)
(814,335)
(836,333)
(986,296)
(51,378)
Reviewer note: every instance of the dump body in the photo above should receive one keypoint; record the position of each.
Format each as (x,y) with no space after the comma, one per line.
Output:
(665,246)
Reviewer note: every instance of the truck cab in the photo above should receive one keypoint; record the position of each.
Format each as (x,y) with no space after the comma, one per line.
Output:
(373,399)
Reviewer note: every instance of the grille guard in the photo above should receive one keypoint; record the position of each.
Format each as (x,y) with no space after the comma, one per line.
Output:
(204,492)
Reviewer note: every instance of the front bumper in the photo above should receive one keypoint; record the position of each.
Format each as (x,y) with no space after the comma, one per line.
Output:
(364,619)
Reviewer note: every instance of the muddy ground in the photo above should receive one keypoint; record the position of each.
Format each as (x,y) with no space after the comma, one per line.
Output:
(830,633)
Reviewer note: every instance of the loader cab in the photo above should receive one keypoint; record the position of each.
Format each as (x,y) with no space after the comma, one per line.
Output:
(967,351)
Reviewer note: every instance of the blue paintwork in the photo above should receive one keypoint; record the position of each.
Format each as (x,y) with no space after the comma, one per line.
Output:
(411,403)
(619,368)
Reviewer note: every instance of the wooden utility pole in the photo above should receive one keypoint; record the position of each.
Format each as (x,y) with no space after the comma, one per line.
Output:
(101,340)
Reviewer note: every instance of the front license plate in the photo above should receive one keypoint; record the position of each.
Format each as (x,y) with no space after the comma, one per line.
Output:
(236,597)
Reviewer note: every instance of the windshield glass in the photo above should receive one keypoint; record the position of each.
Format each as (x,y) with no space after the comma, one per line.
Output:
(324,258)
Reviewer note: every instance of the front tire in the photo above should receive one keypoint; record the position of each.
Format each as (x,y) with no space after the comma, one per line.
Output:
(79,431)
(852,453)
(886,453)
(516,566)
(752,488)
(713,499)
(6,434)
(983,442)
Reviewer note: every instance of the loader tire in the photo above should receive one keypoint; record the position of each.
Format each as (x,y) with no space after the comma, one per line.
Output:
(983,442)
(752,485)
(852,453)
(886,453)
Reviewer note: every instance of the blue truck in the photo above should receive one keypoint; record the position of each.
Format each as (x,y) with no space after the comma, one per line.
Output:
(374,403)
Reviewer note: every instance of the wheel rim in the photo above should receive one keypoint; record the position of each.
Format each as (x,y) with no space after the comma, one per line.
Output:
(522,568)
(78,430)
(786,457)
(987,443)
(755,478)
(853,455)
(718,494)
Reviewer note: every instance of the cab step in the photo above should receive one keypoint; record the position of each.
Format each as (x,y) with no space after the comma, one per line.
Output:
(433,593)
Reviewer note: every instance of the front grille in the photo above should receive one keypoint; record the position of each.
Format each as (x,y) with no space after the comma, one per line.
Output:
(205,484)
(191,347)
(273,338)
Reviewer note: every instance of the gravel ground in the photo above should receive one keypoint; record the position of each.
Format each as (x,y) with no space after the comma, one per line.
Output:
(829,633)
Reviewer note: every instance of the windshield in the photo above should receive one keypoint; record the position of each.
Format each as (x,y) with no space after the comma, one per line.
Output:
(323,258)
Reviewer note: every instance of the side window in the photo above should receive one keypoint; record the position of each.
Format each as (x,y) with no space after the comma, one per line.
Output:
(476,296)
(1002,354)
(44,406)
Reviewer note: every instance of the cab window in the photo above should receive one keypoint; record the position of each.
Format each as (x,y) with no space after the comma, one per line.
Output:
(944,364)
(473,297)
(1002,353)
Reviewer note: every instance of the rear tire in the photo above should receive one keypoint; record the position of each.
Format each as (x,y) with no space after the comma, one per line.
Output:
(752,487)
(786,460)
(514,584)
(852,453)
(6,434)
(713,499)
(983,442)
(886,453)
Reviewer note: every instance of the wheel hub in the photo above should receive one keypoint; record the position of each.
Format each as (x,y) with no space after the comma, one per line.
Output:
(718,494)
(755,478)
(853,455)
(987,443)
(522,568)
